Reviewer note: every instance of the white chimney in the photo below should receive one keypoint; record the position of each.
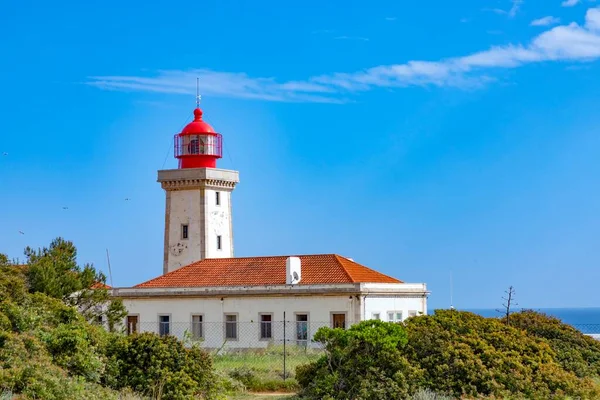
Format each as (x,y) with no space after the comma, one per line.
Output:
(293,270)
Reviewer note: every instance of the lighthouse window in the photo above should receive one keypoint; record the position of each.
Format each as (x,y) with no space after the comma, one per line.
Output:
(218,242)
(196,146)
(184,231)
(218,198)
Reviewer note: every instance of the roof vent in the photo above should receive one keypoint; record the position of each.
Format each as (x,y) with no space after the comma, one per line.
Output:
(293,270)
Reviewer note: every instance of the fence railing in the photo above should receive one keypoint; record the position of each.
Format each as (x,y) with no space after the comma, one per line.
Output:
(255,334)
(588,329)
(271,349)
(229,335)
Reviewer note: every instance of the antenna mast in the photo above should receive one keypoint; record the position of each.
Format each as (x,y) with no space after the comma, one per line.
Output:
(109,270)
(198,97)
(451,293)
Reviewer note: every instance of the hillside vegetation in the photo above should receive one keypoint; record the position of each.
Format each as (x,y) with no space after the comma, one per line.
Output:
(52,349)
(457,353)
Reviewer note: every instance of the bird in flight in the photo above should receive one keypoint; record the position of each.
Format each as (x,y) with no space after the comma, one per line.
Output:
(21,232)
(5,154)
(65,208)
(127,199)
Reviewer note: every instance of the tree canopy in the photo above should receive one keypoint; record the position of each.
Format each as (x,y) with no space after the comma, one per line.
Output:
(54,271)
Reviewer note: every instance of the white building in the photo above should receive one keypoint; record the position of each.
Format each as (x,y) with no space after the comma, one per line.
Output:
(250,301)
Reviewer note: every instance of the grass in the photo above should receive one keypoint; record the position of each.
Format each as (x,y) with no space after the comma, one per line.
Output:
(262,396)
(263,370)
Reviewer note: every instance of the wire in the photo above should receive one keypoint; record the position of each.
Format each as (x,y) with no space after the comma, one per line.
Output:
(228,156)
(173,139)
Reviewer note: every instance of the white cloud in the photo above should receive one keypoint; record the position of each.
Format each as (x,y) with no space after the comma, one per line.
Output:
(570,3)
(564,43)
(592,19)
(358,38)
(545,21)
(498,11)
(516,5)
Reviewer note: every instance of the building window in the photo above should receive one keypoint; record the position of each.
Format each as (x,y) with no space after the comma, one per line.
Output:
(376,315)
(197,332)
(395,316)
(412,313)
(338,320)
(218,198)
(164,325)
(219,242)
(132,324)
(231,331)
(266,326)
(100,320)
(302,327)
(184,231)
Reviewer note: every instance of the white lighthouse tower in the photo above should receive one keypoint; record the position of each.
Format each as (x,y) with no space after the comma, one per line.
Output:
(198,222)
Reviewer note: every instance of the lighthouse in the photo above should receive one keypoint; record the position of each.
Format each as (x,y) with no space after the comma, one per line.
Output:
(198,223)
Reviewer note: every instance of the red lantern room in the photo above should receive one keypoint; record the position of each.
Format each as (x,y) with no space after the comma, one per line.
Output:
(198,145)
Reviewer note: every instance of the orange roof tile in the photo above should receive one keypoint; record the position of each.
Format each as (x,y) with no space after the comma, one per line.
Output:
(258,271)
(100,285)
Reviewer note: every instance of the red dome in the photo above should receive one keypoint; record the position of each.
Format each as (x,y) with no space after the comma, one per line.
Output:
(198,145)
(197,125)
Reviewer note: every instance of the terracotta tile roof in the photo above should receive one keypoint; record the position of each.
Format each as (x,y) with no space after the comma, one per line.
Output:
(100,285)
(258,271)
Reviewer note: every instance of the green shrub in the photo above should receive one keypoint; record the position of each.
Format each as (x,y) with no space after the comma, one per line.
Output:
(74,348)
(458,353)
(575,351)
(363,362)
(49,349)
(148,363)
(467,355)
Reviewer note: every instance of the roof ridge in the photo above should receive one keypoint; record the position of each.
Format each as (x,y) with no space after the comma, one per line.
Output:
(365,267)
(272,256)
(163,275)
(337,258)
(268,270)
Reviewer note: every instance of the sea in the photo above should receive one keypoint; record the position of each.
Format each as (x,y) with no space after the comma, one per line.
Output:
(587,320)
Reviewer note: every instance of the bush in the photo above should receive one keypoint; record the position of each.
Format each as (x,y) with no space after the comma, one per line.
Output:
(467,355)
(575,351)
(49,349)
(148,363)
(456,353)
(363,362)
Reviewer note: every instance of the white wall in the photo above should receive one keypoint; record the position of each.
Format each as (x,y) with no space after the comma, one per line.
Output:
(383,305)
(218,222)
(248,309)
(205,219)
(183,207)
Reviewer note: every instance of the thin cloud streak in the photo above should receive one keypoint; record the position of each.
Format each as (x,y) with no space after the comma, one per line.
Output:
(563,43)
(516,6)
(545,21)
(359,38)
(512,12)
(570,3)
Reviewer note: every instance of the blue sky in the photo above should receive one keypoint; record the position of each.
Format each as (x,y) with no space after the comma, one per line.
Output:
(456,139)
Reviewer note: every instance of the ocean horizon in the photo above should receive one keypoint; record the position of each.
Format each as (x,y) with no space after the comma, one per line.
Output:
(586,319)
